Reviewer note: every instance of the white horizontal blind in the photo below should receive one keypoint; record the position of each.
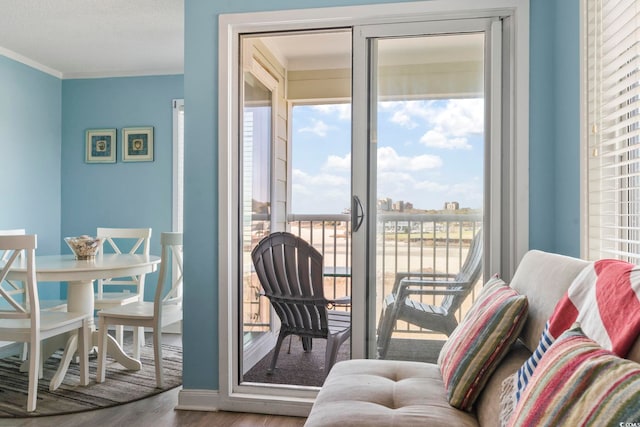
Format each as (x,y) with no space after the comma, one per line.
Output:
(613,105)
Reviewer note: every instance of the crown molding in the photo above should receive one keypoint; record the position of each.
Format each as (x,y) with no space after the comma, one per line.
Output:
(29,62)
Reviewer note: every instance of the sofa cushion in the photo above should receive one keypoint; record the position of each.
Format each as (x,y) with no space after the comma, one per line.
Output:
(604,297)
(480,341)
(577,382)
(384,393)
(488,409)
(544,278)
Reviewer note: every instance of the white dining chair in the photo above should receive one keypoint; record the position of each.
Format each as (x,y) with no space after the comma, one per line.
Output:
(17,289)
(165,309)
(116,292)
(22,322)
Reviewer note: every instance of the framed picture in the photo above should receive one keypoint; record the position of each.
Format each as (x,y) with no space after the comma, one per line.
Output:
(100,146)
(137,144)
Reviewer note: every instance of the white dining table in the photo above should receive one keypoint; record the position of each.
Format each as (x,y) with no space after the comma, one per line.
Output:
(79,275)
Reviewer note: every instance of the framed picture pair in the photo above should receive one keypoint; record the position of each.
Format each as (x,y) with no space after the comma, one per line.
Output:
(137,145)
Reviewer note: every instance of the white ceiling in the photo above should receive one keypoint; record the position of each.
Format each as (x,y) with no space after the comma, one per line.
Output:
(94,38)
(111,38)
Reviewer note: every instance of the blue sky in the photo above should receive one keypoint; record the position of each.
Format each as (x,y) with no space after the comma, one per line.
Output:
(429,153)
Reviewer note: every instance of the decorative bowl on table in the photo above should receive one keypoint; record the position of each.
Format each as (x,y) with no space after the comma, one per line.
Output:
(84,247)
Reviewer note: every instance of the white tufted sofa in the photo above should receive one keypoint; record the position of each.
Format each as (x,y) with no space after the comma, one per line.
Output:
(392,393)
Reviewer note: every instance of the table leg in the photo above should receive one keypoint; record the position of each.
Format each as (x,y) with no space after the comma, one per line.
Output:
(69,350)
(114,350)
(80,299)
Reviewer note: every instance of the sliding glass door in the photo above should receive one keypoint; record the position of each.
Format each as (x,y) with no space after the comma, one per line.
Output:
(419,181)
(418,117)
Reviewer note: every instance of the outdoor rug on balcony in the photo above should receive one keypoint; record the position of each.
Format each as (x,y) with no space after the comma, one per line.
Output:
(120,386)
(307,369)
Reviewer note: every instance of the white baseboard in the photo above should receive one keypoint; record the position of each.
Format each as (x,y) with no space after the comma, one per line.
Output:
(198,400)
(174,328)
(211,400)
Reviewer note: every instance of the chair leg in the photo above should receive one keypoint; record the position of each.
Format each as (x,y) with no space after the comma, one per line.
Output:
(157,354)
(25,351)
(141,339)
(83,351)
(120,335)
(102,349)
(385,326)
(307,344)
(34,359)
(276,351)
(330,354)
(136,342)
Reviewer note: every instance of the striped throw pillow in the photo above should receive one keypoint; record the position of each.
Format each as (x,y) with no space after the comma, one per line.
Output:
(480,341)
(578,383)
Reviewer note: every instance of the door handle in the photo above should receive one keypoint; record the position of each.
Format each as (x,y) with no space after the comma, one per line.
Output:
(357,213)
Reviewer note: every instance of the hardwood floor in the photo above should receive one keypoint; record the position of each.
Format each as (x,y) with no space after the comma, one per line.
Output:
(155,411)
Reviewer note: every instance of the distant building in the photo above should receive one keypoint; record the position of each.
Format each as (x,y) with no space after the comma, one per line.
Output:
(451,206)
(398,206)
(385,204)
(389,205)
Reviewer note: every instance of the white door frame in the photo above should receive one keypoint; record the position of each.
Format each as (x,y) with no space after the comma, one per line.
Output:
(364,158)
(297,400)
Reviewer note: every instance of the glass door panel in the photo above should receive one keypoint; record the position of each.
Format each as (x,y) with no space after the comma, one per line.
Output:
(426,179)
(255,318)
(295,170)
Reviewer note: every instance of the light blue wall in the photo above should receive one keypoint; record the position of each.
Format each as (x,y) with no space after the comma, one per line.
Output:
(554,161)
(118,194)
(567,126)
(30,112)
(554,177)
(42,124)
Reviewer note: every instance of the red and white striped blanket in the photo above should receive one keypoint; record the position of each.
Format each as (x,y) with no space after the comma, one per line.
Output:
(605,299)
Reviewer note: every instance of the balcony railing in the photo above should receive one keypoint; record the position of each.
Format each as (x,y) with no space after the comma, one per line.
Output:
(406,242)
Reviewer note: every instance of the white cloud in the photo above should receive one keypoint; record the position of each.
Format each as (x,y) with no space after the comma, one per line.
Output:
(319,128)
(337,163)
(450,122)
(460,117)
(322,193)
(323,179)
(437,139)
(403,119)
(405,113)
(343,110)
(389,160)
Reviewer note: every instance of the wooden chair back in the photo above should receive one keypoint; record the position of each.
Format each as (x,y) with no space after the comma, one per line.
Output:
(14,248)
(128,241)
(169,289)
(14,288)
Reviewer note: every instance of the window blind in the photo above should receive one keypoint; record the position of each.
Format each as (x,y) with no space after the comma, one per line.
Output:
(613,108)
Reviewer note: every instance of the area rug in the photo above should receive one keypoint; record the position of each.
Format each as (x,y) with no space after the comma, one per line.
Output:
(120,386)
(297,367)
(307,369)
